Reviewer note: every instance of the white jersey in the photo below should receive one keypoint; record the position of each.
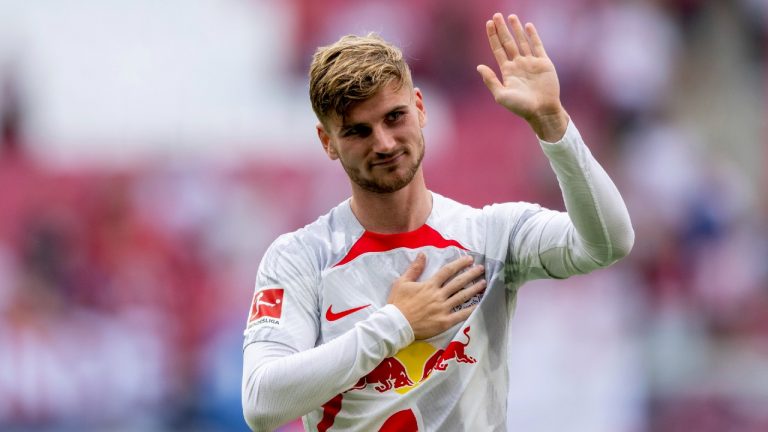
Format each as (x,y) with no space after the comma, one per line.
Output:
(321,341)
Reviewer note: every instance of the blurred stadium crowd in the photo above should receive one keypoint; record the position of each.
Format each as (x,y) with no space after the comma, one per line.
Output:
(124,289)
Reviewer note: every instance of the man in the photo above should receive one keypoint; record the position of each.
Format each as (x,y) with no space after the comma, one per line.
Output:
(391,311)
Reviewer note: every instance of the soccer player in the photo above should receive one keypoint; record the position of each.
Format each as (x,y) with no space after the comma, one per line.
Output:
(391,312)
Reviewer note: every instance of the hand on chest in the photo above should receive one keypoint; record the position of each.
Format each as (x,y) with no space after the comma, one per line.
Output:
(351,292)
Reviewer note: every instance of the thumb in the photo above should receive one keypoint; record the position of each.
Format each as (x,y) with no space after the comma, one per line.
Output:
(490,79)
(415,269)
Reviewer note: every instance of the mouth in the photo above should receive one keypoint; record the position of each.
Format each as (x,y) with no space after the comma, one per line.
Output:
(393,160)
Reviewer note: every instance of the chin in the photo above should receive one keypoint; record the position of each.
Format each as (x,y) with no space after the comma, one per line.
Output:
(384,187)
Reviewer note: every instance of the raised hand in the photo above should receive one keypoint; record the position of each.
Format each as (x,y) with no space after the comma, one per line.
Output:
(428,305)
(528,85)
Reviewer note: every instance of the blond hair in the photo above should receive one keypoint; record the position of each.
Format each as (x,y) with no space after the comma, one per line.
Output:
(351,70)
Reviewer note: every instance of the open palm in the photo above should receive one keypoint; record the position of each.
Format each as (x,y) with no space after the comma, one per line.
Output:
(528,85)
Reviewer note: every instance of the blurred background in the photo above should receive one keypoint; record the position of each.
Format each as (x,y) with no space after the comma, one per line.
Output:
(150,152)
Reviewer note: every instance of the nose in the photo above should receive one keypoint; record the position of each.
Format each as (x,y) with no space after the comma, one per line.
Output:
(383,141)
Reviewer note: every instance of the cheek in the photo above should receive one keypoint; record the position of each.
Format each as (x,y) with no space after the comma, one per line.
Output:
(415,134)
(409,130)
(352,152)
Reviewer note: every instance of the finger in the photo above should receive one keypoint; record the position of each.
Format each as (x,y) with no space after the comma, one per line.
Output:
(449,270)
(522,40)
(537,46)
(461,315)
(490,79)
(462,280)
(416,268)
(499,53)
(505,37)
(466,294)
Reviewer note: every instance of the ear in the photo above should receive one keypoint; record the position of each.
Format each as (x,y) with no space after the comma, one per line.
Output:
(325,140)
(419,99)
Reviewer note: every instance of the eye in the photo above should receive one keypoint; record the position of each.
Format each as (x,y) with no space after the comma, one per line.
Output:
(356,131)
(395,116)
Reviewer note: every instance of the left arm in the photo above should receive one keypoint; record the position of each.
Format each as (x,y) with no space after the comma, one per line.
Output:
(596,231)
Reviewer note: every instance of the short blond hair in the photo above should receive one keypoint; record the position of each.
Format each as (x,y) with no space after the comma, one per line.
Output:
(351,70)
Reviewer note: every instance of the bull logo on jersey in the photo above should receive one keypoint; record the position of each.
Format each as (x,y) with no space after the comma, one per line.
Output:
(389,374)
(413,365)
(403,372)
(454,351)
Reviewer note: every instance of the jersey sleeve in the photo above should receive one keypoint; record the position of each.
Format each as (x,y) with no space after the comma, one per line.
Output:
(594,232)
(284,374)
(284,306)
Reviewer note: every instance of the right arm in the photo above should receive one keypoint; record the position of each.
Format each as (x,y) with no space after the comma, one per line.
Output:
(287,377)
(281,383)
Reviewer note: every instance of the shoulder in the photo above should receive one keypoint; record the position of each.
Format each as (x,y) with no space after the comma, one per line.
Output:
(317,243)
(451,210)
(447,208)
(512,210)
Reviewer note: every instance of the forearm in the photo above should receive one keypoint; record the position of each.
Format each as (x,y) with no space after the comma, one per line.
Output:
(551,125)
(597,228)
(280,384)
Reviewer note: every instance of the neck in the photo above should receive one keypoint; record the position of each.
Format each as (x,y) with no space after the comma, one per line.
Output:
(390,213)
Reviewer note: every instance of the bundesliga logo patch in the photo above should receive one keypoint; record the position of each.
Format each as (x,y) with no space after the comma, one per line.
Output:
(267,307)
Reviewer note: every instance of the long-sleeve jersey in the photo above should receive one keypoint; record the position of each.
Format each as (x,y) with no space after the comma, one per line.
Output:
(321,341)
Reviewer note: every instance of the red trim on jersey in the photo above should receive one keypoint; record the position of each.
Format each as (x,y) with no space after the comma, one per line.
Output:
(375,242)
(330,410)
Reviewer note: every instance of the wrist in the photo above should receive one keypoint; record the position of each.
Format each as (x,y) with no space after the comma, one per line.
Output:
(551,125)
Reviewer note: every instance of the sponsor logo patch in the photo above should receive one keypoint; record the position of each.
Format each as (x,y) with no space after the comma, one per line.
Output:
(267,307)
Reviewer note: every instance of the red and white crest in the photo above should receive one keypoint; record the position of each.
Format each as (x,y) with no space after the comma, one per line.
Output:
(267,306)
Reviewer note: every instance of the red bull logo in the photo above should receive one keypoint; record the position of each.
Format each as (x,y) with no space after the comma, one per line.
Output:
(454,351)
(415,362)
(401,421)
(389,374)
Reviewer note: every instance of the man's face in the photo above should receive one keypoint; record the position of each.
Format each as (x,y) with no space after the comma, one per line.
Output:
(379,143)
